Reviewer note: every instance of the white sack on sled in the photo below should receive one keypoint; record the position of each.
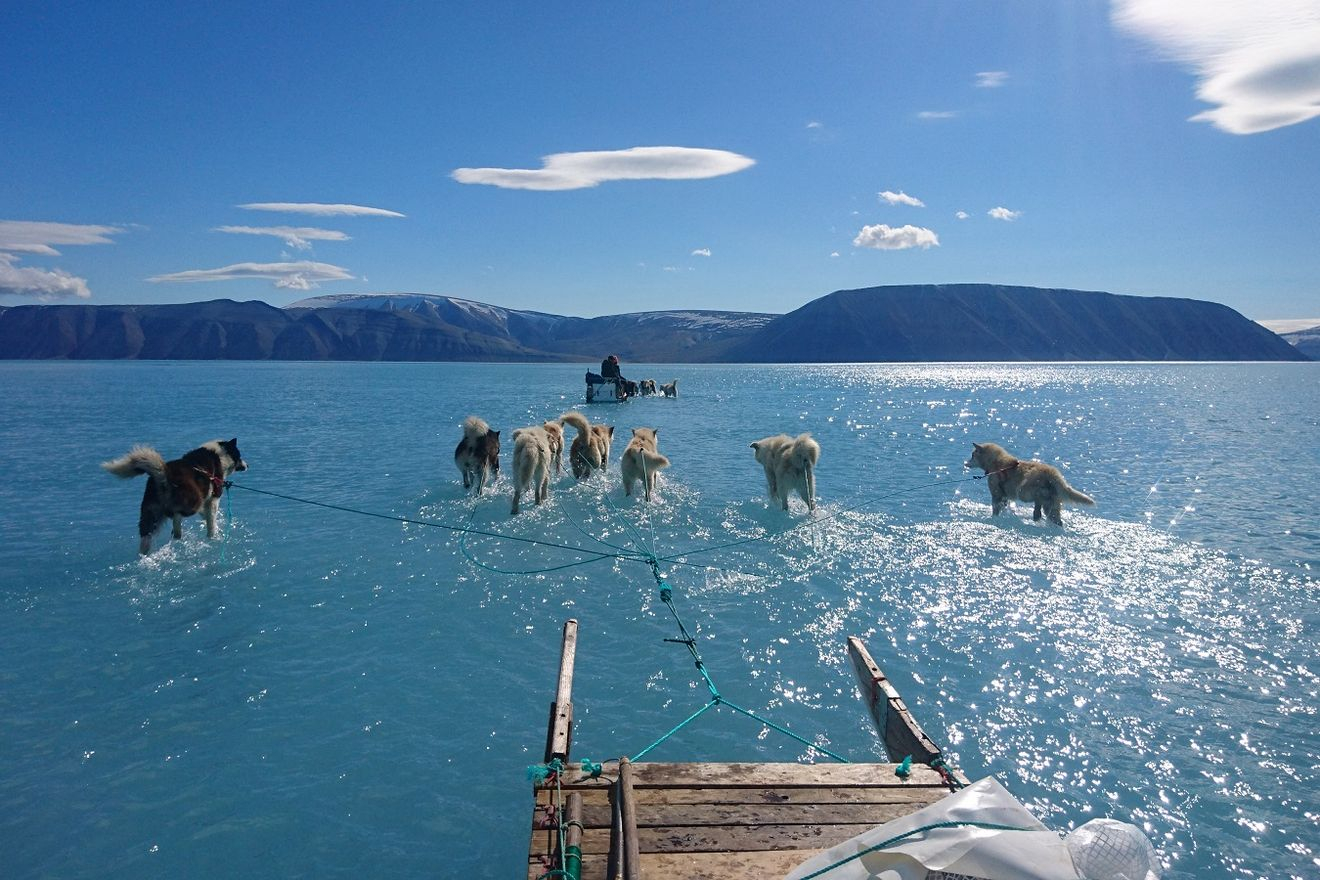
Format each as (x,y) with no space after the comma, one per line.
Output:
(1035,854)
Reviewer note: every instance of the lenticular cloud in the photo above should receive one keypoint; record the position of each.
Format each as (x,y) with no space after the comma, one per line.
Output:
(302,275)
(887,238)
(563,171)
(1258,62)
(321,210)
(299,237)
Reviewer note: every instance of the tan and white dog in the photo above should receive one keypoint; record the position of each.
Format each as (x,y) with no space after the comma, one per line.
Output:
(554,432)
(670,389)
(790,466)
(181,487)
(591,447)
(1010,478)
(641,461)
(532,455)
(647,387)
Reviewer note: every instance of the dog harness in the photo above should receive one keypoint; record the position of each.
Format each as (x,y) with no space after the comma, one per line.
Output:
(217,482)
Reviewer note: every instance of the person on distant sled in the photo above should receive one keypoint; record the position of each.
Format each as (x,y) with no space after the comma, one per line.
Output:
(610,374)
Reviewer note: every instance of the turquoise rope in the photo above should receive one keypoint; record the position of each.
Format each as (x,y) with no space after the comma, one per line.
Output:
(885,844)
(462,546)
(686,721)
(785,731)
(424,522)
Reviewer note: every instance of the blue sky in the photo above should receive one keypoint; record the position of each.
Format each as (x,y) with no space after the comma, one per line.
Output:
(734,155)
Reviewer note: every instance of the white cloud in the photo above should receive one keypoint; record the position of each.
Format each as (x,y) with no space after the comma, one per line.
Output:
(39,237)
(40,283)
(701,252)
(321,210)
(297,237)
(1002,213)
(834,253)
(814,124)
(991,79)
(901,198)
(937,114)
(1258,62)
(35,237)
(564,171)
(302,275)
(886,238)
(962,215)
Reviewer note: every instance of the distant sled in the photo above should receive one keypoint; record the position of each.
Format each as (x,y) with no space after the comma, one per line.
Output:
(601,389)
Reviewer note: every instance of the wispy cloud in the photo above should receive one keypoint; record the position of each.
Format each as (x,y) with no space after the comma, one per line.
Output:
(1258,62)
(901,198)
(701,252)
(962,215)
(36,237)
(991,79)
(815,124)
(1002,213)
(886,238)
(39,238)
(564,171)
(40,283)
(302,275)
(297,237)
(321,210)
(937,114)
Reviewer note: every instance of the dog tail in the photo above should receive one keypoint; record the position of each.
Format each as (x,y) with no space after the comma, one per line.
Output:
(577,420)
(140,460)
(654,460)
(1071,494)
(475,428)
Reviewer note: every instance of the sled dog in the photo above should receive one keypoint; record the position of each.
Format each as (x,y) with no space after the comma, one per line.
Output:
(531,463)
(790,466)
(591,447)
(181,487)
(641,461)
(1010,478)
(478,454)
(670,389)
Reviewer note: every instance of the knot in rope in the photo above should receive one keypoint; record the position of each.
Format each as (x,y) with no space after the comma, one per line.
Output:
(539,773)
(937,764)
(904,769)
(591,768)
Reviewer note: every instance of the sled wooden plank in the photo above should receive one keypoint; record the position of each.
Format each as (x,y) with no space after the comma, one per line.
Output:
(702,866)
(753,775)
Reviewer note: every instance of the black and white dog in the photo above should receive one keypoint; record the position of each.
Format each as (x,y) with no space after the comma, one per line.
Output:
(179,488)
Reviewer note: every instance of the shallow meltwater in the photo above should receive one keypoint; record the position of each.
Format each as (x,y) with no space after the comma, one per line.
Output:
(329,693)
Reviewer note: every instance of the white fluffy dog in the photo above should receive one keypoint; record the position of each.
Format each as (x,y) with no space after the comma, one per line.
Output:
(531,464)
(641,461)
(790,466)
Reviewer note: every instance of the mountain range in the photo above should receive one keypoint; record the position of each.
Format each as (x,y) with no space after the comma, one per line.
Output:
(953,322)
